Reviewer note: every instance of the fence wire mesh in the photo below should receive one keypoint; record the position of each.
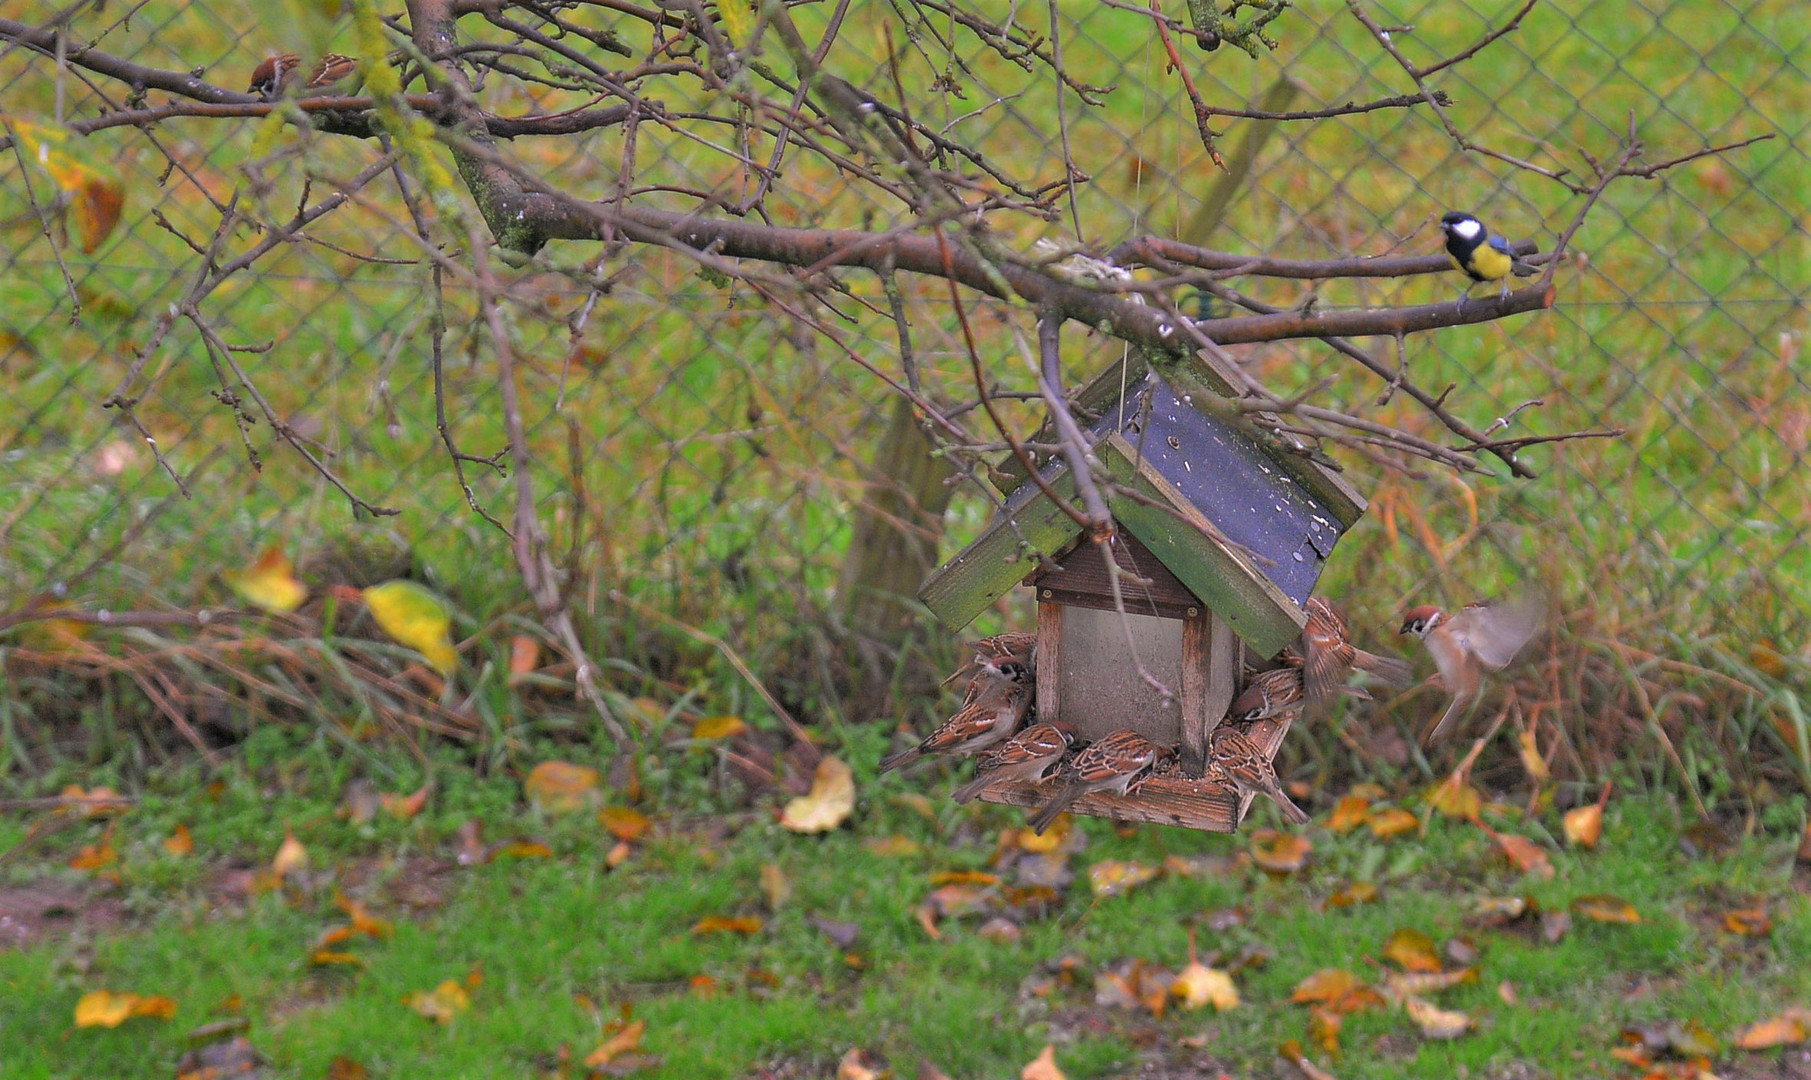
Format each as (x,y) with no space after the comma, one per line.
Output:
(701,455)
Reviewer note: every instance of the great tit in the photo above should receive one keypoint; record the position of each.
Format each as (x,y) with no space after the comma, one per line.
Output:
(1483,255)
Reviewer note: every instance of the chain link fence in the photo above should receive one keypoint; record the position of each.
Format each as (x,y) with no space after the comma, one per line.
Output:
(703,457)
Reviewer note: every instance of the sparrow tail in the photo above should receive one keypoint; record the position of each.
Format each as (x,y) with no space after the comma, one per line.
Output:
(1055,809)
(1460,708)
(980,783)
(1292,813)
(894,761)
(1390,669)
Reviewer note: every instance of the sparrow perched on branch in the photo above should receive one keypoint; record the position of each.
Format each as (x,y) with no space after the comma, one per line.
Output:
(1118,763)
(1478,637)
(1269,694)
(1236,761)
(1330,656)
(1483,255)
(996,703)
(1013,647)
(275,74)
(1026,756)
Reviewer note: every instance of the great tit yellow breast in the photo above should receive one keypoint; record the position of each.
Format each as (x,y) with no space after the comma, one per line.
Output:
(1488,264)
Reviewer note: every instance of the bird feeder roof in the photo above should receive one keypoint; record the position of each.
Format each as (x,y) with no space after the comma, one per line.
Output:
(1245,522)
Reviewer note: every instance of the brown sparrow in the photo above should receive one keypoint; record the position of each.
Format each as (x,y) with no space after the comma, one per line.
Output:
(1026,756)
(1330,656)
(1234,760)
(1118,763)
(1268,694)
(1478,637)
(995,705)
(1013,647)
(275,74)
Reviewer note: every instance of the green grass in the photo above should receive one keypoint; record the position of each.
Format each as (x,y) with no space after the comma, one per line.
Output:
(564,944)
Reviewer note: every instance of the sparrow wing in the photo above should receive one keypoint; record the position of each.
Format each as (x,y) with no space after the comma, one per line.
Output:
(1496,632)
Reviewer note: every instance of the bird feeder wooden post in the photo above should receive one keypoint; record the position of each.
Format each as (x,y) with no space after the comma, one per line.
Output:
(1215,554)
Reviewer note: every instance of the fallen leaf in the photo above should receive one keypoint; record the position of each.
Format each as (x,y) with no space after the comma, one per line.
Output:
(1415,984)
(179,842)
(1324,986)
(1279,852)
(722,924)
(1749,922)
(1348,813)
(521,849)
(560,787)
(345,1068)
(829,802)
(1000,930)
(404,807)
(440,1004)
(415,617)
(1506,991)
(291,856)
(93,802)
(892,846)
(617,855)
(1435,1022)
(1454,800)
(625,1041)
(624,823)
(1784,1030)
(1523,854)
(1291,1051)
(1606,909)
(1323,1027)
(1043,1067)
(524,656)
(98,855)
(1532,762)
(857,1064)
(1358,892)
(270,583)
(1412,950)
(775,886)
(1055,838)
(330,958)
(718,727)
(104,1008)
(1497,910)
(1555,925)
(1583,825)
(1392,822)
(964,877)
(362,921)
(704,987)
(1197,985)
(1110,877)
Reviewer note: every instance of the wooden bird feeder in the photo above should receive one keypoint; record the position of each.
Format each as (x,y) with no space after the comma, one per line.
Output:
(1217,553)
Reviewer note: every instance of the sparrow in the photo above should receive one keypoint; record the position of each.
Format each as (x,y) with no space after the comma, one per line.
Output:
(1118,763)
(1268,694)
(1016,647)
(275,74)
(1026,756)
(1481,254)
(1329,655)
(993,709)
(1478,637)
(1235,761)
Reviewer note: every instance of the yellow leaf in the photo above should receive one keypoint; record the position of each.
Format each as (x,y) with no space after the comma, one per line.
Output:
(1198,985)
(737,17)
(829,802)
(1392,822)
(624,823)
(291,856)
(1323,1027)
(1460,801)
(1435,1022)
(522,849)
(893,846)
(440,1004)
(179,842)
(270,583)
(415,617)
(329,958)
(1412,950)
(1349,813)
(1043,1067)
(965,877)
(1532,761)
(718,727)
(1606,909)
(623,1042)
(363,922)
(1784,1030)
(1583,825)
(1279,852)
(104,1008)
(560,787)
(1359,892)
(1053,838)
(721,924)
(79,170)
(775,886)
(1325,985)
(1110,877)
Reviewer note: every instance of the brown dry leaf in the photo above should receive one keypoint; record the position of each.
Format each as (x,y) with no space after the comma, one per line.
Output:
(1359,892)
(1323,1028)
(179,842)
(1435,1022)
(521,849)
(1523,854)
(894,846)
(560,787)
(1749,922)
(1532,762)
(1291,1051)
(1392,822)
(1110,877)
(291,856)
(1412,950)
(722,924)
(1606,909)
(705,987)
(1415,984)
(1555,925)
(1349,813)
(334,935)
(404,807)
(329,958)
(829,802)
(1324,986)
(104,1008)
(623,1042)
(1790,1028)
(1461,801)
(719,727)
(345,1068)
(775,886)
(1279,852)
(98,855)
(524,656)
(964,877)
(440,1004)
(624,823)
(1043,1067)
(1583,825)
(363,922)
